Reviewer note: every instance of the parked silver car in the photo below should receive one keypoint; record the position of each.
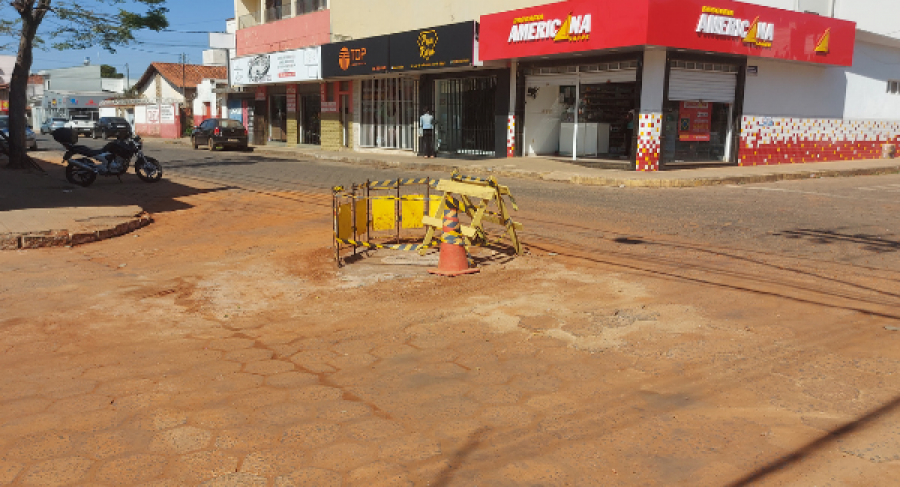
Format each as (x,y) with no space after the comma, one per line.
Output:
(52,124)
(30,137)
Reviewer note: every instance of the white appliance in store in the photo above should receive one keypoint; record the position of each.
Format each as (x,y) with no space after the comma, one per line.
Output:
(593,139)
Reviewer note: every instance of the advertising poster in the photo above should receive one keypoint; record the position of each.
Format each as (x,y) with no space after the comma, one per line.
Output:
(694,121)
(167,114)
(153,114)
(289,66)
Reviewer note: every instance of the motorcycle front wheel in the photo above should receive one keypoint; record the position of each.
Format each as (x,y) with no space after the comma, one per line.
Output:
(79,176)
(149,170)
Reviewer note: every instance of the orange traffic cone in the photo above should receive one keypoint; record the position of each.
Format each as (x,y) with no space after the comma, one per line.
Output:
(453,261)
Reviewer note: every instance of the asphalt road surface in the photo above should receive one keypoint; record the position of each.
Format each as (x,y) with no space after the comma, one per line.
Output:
(850,221)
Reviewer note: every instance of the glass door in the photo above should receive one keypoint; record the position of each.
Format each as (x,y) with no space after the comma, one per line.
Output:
(278,118)
(312,115)
(697,132)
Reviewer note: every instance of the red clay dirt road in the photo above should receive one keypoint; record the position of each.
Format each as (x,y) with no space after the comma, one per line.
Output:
(220,346)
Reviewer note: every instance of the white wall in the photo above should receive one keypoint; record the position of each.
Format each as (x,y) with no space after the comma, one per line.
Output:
(878,16)
(113,85)
(205,95)
(785,89)
(867,97)
(7,64)
(140,114)
(654,81)
(108,112)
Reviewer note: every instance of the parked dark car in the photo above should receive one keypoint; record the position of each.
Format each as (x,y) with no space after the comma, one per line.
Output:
(30,137)
(219,132)
(111,127)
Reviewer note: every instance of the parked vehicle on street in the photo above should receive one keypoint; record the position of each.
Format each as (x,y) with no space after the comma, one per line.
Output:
(111,127)
(220,132)
(82,124)
(52,124)
(84,164)
(30,137)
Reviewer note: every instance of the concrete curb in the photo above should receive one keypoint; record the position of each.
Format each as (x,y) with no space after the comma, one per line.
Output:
(62,238)
(657,183)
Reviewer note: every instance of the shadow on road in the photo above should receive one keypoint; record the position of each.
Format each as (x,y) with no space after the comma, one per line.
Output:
(798,455)
(20,190)
(871,243)
(459,458)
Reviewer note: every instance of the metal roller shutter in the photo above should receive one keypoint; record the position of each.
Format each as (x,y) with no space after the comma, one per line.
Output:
(711,86)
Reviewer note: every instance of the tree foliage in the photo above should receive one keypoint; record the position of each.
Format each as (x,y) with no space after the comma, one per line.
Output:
(67,24)
(107,71)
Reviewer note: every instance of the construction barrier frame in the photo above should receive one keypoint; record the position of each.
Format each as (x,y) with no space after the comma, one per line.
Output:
(359,229)
(361,216)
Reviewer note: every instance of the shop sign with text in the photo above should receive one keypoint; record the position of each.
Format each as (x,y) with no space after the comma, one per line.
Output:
(280,67)
(447,46)
(356,58)
(722,26)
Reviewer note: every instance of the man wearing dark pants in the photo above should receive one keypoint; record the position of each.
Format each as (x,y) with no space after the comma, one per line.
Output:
(426,130)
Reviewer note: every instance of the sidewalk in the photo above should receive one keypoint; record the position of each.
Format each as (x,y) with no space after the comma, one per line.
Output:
(553,169)
(46,211)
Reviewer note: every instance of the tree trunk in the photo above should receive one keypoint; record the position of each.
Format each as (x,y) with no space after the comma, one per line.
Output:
(18,86)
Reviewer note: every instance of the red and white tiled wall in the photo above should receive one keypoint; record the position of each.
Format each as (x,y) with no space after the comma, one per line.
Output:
(648,149)
(779,140)
(511,136)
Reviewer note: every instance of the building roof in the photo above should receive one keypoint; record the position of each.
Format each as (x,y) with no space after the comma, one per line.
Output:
(191,74)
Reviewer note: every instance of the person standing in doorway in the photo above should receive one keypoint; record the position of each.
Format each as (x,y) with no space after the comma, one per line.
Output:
(426,130)
(629,132)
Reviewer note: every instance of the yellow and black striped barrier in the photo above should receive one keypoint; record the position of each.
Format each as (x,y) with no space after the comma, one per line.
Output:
(393,183)
(370,245)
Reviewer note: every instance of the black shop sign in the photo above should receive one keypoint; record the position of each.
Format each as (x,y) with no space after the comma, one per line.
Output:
(355,58)
(447,46)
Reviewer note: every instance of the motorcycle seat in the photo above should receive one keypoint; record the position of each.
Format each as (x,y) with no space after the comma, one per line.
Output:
(82,150)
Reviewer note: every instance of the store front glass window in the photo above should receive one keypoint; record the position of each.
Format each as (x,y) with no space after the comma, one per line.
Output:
(389,113)
(605,119)
(696,131)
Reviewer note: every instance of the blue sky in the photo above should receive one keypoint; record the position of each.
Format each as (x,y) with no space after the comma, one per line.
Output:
(184,16)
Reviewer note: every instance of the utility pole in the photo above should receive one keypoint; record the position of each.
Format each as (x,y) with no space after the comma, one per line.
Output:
(127,79)
(183,88)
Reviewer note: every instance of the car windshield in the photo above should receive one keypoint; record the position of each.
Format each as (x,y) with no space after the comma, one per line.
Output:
(60,120)
(230,124)
(117,120)
(4,122)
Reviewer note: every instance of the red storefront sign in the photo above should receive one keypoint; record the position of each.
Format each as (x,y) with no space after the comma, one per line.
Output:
(4,106)
(694,121)
(261,93)
(709,26)
(292,98)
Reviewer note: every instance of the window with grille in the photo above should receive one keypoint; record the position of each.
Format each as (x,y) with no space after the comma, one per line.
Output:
(389,113)
(893,87)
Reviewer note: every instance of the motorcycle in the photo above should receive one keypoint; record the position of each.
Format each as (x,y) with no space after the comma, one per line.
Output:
(84,164)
